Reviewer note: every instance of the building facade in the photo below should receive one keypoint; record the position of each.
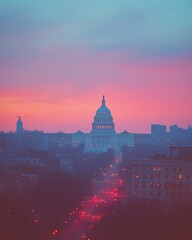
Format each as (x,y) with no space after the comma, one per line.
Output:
(103,135)
(168,181)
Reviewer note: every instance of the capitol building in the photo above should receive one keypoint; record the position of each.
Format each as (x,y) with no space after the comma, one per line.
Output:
(103,135)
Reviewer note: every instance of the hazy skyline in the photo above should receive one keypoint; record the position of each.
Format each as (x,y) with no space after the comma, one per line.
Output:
(57,59)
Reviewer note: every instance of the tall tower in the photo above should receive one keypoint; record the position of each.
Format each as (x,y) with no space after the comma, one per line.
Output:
(19,126)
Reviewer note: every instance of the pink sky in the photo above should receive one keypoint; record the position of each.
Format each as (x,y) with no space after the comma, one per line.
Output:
(60,90)
(58,59)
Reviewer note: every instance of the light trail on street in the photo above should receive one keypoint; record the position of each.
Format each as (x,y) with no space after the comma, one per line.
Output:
(82,219)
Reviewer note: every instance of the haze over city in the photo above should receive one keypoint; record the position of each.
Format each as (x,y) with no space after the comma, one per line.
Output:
(96,120)
(57,59)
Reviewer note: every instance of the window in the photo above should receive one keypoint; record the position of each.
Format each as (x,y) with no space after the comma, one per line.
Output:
(166,185)
(180,177)
(156,168)
(180,186)
(143,176)
(143,193)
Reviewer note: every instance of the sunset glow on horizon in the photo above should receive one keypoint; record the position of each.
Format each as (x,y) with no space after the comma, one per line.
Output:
(58,60)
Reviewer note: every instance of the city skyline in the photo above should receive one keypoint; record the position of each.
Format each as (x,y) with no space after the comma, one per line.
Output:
(166,128)
(58,59)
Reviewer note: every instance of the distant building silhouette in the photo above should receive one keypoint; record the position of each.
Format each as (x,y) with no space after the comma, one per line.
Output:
(19,126)
(103,135)
(158,130)
(158,133)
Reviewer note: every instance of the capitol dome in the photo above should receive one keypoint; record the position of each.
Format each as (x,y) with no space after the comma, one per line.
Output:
(103,120)
(103,135)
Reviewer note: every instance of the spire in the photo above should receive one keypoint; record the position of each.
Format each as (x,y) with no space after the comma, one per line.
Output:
(103,101)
